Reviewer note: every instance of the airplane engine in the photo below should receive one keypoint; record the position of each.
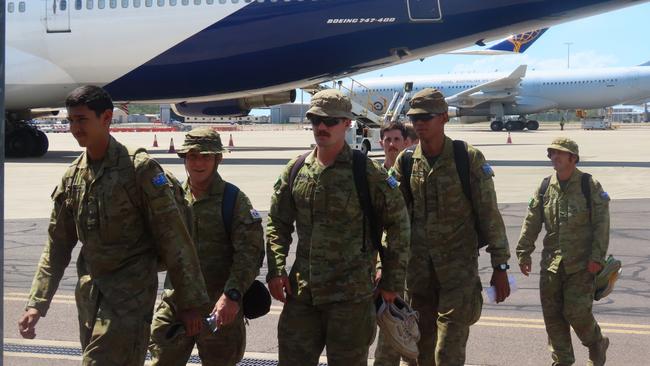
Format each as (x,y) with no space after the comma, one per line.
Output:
(232,107)
(453,112)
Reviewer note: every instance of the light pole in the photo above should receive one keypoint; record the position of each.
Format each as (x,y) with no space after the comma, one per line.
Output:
(568,54)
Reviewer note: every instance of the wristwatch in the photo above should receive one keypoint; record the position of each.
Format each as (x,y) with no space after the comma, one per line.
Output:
(233,295)
(502,267)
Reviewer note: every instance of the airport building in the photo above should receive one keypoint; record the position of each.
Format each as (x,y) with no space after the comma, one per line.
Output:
(289,113)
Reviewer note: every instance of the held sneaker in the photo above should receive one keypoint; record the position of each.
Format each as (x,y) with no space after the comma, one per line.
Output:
(597,353)
(399,321)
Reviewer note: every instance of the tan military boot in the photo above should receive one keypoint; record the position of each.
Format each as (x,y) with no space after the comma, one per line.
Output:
(597,352)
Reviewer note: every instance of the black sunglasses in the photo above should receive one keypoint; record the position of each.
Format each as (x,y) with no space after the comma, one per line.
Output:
(328,121)
(422,117)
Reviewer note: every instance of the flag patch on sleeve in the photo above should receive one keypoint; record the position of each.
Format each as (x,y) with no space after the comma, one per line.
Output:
(392,182)
(159,180)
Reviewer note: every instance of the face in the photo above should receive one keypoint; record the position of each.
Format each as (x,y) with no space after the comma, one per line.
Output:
(87,128)
(200,167)
(393,142)
(329,131)
(428,128)
(562,160)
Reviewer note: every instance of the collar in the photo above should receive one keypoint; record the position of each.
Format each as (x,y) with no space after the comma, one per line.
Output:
(216,187)
(344,156)
(575,177)
(447,150)
(111,158)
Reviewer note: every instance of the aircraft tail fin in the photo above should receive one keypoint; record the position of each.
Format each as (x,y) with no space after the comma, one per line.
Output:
(517,43)
(645,64)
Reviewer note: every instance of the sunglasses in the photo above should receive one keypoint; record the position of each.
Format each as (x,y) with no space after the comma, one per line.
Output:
(328,121)
(423,117)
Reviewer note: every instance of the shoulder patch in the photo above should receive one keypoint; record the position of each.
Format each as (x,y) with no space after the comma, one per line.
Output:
(487,170)
(392,182)
(159,180)
(604,196)
(531,203)
(277,183)
(255,215)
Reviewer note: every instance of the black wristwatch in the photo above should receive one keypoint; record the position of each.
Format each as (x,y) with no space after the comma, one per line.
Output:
(233,295)
(502,267)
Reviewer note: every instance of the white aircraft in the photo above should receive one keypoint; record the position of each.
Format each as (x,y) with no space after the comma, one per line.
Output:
(225,57)
(496,95)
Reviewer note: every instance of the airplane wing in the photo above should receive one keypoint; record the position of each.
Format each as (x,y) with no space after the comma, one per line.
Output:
(504,89)
(517,43)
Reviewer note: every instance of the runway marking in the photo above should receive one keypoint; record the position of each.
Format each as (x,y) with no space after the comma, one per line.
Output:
(531,320)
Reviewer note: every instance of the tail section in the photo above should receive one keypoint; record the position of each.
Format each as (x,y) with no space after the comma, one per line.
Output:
(517,43)
(645,64)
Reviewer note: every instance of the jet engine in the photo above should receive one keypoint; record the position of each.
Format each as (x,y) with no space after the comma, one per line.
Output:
(232,107)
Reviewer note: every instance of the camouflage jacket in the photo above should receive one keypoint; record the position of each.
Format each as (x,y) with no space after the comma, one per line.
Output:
(572,237)
(125,216)
(226,262)
(333,262)
(442,218)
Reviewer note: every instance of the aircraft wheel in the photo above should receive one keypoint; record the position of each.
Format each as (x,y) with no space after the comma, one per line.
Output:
(532,125)
(510,126)
(365,147)
(41,144)
(496,126)
(20,143)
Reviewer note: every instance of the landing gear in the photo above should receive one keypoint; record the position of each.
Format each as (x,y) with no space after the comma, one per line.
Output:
(24,140)
(365,147)
(532,125)
(496,125)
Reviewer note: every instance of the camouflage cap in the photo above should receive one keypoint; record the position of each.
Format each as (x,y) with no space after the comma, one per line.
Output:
(428,101)
(330,103)
(204,140)
(564,144)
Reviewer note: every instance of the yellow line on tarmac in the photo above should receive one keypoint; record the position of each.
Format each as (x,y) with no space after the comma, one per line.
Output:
(541,321)
(25,295)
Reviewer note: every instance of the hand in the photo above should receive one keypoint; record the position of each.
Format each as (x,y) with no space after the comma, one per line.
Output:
(594,267)
(500,282)
(377,276)
(192,321)
(388,296)
(27,323)
(278,286)
(226,310)
(525,269)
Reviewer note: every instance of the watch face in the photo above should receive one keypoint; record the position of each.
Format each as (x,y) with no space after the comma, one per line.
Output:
(233,295)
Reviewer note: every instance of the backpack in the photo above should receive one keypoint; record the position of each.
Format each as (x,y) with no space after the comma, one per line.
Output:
(584,186)
(461,158)
(359,165)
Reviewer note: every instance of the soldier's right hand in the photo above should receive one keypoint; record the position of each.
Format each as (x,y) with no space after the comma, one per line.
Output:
(27,323)
(525,269)
(192,320)
(278,286)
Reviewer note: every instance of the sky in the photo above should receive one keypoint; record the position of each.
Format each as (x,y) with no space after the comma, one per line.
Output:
(616,38)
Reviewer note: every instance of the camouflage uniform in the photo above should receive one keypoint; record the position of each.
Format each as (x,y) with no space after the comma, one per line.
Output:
(442,280)
(331,278)
(572,239)
(125,216)
(227,262)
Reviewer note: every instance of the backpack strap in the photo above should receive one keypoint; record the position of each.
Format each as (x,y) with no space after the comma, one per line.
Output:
(461,157)
(360,175)
(406,165)
(586,190)
(230,193)
(296,168)
(542,191)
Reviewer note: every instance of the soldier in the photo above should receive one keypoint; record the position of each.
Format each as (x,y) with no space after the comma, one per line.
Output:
(442,280)
(328,294)
(412,138)
(574,210)
(230,259)
(121,208)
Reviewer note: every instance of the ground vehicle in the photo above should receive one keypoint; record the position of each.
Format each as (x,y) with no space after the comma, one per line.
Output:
(363,135)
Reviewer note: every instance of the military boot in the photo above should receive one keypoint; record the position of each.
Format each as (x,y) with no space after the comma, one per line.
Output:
(597,352)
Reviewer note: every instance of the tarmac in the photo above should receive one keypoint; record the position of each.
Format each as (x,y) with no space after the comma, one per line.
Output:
(511,333)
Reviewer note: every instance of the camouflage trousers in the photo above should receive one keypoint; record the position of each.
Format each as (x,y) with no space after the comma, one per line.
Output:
(567,300)
(224,348)
(347,329)
(385,354)
(447,310)
(111,336)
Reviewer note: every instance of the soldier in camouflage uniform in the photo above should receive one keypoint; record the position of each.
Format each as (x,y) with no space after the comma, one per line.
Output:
(230,259)
(574,251)
(121,208)
(442,280)
(328,294)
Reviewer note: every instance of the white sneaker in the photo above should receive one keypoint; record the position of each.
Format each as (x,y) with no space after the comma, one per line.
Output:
(399,322)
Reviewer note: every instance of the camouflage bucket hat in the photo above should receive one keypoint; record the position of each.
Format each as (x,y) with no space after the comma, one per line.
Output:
(564,144)
(330,103)
(428,101)
(203,140)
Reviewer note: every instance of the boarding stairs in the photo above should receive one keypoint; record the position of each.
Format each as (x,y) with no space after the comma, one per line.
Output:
(396,107)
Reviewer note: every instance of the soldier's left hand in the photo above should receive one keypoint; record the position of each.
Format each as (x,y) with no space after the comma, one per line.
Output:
(192,321)
(226,310)
(388,296)
(594,267)
(500,282)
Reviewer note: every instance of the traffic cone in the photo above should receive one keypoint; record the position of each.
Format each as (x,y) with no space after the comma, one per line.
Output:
(509,139)
(155,141)
(230,143)
(171,146)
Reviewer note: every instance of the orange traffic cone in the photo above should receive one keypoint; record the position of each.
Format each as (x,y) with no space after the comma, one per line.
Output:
(230,143)
(155,141)
(509,139)
(171,146)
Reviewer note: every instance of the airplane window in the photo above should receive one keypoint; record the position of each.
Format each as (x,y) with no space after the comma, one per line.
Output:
(148,3)
(21,6)
(235,1)
(136,3)
(89,4)
(197,2)
(63,5)
(125,3)
(172,2)
(10,7)
(209,2)
(112,4)
(185,2)
(101,4)
(161,2)
(77,5)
